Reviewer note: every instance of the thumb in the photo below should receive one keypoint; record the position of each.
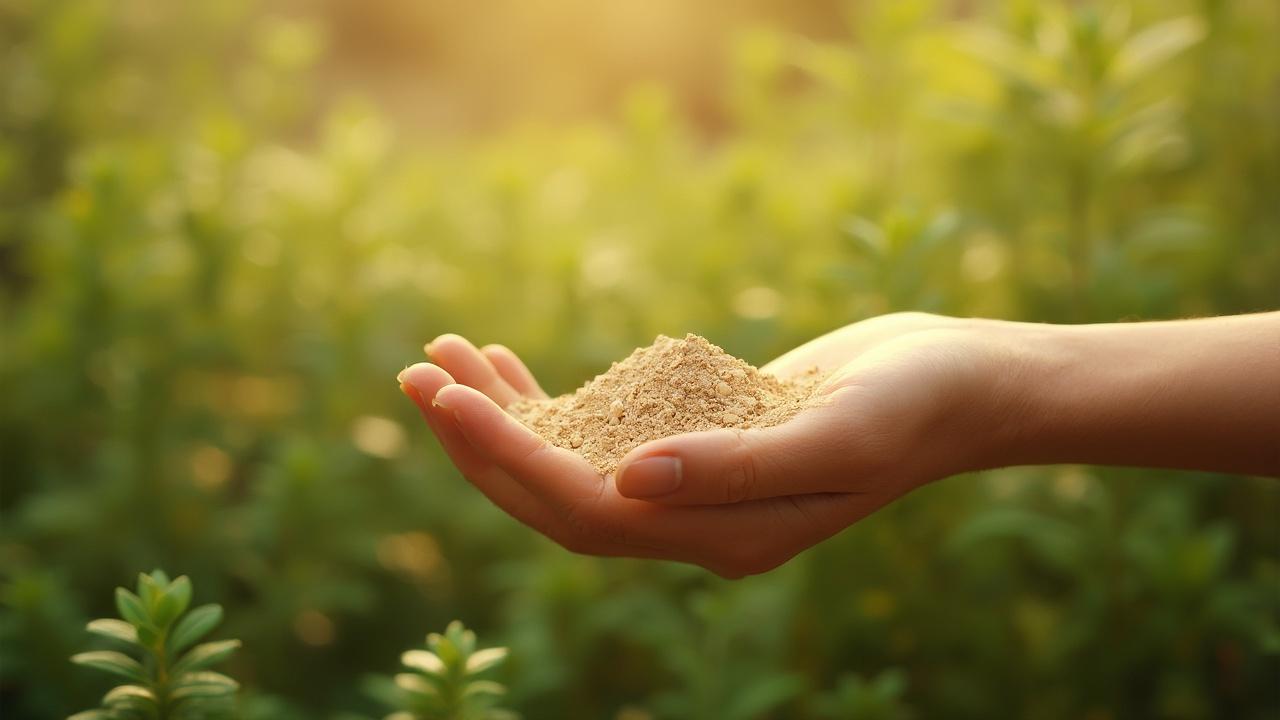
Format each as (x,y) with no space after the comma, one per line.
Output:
(818,451)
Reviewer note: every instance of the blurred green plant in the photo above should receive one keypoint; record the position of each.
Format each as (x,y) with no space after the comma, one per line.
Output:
(854,698)
(212,265)
(168,680)
(444,681)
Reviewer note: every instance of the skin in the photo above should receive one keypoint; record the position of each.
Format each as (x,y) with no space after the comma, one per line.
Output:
(911,398)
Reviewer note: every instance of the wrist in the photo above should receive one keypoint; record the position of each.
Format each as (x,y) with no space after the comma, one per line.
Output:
(1197,394)
(987,411)
(1025,390)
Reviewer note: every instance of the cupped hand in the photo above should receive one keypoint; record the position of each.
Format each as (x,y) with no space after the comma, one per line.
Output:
(902,406)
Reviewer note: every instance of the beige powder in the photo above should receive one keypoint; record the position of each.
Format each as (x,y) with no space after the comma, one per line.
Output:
(671,387)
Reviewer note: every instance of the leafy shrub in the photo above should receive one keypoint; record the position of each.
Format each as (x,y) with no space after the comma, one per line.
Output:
(212,264)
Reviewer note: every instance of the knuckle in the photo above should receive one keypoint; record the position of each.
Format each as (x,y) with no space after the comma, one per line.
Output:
(740,473)
(587,523)
(537,445)
(579,517)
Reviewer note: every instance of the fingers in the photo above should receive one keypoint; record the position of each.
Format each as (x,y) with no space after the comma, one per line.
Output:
(513,370)
(425,381)
(560,479)
(812,453)
(422,382)
(731,540)
(551,472)
(558,493)
(470,367)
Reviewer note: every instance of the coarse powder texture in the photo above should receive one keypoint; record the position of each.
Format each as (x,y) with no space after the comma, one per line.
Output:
(670,387)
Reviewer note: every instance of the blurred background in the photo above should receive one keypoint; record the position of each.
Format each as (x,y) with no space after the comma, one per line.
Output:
(226,225)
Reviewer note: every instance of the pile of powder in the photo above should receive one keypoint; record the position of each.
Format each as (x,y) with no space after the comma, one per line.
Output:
(671,387)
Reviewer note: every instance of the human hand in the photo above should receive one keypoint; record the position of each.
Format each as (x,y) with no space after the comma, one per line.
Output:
(902,390)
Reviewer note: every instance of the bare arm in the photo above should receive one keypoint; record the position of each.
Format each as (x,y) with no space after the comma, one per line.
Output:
(911,398)
(1192,394)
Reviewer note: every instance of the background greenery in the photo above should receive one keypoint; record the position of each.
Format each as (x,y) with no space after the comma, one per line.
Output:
(215,256)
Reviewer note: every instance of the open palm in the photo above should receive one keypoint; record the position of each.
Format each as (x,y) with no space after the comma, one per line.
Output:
(737,502)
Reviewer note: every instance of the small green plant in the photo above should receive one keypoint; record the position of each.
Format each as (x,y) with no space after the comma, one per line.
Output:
(443,682)
(166,683)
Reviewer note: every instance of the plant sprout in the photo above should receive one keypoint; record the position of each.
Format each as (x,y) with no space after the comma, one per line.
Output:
(443,683)
(166,680)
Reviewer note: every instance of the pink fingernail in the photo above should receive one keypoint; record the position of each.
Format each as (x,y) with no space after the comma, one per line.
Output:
(411,392)
(650,477)
(440,402)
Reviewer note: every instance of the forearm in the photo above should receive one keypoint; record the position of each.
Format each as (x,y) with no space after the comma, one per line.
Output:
(1194,394)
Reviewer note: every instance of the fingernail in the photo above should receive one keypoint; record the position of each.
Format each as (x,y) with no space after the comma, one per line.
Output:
(444,397)
(431,345)
(442,402)
(650,477)
(414,395)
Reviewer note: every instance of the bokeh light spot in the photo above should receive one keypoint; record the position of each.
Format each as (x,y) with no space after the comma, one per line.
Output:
(378,436)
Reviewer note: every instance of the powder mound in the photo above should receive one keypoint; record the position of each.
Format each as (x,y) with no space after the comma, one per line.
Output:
(670,387)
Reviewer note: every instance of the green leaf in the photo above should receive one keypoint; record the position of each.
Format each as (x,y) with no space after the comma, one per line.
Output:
(424,661)
(149,591)
(131,608)
(118,630)
(445,649)
(161,578)
(765,696)
(202,656)
(464,640)
(194,626)
(416,684)
(1017,63)
(207,677)
(484,659)
(1153,46)
(148,636)
(890,684)
(484,688)
(381,689)
(173,602)
(112,662)
(211,690)
(1050,539)
(865,236)
(92,715)
(132,697)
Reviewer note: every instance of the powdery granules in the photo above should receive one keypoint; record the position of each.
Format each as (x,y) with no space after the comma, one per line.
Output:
(671,387)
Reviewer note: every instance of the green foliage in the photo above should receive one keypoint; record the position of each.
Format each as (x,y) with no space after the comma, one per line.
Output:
(213,263)
(877,699)
(167,681)
(444,681)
